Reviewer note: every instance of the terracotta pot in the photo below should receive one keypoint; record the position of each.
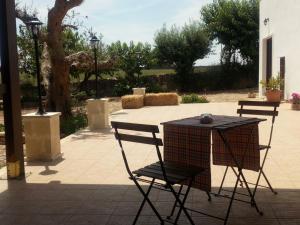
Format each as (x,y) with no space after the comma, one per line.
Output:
(273,96)
(295,106)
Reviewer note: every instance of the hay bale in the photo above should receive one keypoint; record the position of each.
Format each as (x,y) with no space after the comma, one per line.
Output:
(132,101)
(161,99)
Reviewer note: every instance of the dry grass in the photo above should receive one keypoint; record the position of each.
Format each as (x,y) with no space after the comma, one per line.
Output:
(161,99)
(132,101)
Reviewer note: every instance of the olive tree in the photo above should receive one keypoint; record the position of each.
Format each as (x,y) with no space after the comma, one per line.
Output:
(131,58)
(181,48)
(235,25)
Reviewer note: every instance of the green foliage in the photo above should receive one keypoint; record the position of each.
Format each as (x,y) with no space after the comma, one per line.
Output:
(193,98)
(274,83)
(181,47)
(123,87)
(73,123)
(29,93)
(78,97)
(151,85)
(26,51)
(235,24)
(81,95)
(74,42)
(132,58)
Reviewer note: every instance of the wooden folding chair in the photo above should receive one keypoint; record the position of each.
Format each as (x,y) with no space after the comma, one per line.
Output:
(168,174)
(257,112)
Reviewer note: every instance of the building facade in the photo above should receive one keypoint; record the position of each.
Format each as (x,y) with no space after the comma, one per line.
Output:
(279,49)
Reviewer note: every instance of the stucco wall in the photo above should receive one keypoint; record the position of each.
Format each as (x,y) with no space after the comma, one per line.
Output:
(284,28)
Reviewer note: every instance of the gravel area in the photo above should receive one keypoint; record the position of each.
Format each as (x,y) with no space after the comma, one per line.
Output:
(230,96)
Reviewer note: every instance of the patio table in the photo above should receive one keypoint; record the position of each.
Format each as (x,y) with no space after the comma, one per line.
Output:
(233,141)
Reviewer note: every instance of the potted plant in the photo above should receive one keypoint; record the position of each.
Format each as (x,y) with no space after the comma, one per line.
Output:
(273,92)
(295,101)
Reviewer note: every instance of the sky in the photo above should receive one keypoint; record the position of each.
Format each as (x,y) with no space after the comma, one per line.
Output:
(136,20)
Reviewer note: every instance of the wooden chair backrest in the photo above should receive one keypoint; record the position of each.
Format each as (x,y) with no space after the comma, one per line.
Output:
(260,112)
(153,129)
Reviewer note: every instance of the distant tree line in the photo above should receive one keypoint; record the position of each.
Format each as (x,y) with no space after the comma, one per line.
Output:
(232,23)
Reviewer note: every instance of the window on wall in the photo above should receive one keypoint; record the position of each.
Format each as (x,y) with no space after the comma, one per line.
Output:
(282,75)
(269,57)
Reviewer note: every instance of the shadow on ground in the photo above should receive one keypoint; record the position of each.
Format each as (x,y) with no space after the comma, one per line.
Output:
(87,204)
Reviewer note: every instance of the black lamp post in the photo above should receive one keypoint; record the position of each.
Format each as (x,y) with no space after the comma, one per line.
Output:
(34,24)
(138,54)
(94,43)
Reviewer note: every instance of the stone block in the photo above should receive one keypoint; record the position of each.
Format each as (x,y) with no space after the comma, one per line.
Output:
(42,136)
(97,112)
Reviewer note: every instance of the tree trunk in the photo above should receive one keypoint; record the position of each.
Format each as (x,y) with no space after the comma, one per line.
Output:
(45,68)
(59,93)
(58,98)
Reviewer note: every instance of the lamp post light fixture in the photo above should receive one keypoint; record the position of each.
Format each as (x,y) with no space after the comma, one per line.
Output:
(34,24)
(266,21)
(95,43)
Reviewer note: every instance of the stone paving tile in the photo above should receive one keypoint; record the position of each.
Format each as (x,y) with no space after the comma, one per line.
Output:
(86,219)
(91,186)
(14,220)
(48,219)
(289,221)
(256,221)
(287,210)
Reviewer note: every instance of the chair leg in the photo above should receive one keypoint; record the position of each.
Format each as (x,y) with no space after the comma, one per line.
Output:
(268,182)
(223,179)
(148,200)
(231,200)
(251,194)
(209,197)
(143,203)
(261,172)
(241,182)
(181,203)
(175,204)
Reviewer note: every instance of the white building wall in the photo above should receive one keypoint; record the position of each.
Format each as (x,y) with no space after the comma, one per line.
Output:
(284,28)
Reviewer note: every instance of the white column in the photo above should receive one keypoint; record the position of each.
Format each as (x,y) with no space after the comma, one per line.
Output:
(139,91)
(42,136)
(97,112)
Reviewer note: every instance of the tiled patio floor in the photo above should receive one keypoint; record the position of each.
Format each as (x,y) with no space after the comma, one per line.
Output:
(90,185)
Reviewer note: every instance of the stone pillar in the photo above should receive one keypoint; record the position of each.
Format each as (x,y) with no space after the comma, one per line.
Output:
(139,91)
(42,136)
(97,112)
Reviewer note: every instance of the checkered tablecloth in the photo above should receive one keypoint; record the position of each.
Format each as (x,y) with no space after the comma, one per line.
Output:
(189,146)
(244,144)
(188,142)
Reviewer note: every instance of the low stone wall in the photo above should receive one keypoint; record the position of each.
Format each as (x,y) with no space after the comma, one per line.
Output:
(205,81)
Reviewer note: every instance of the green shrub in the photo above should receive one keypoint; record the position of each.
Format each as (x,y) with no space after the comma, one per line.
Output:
(81,95)
(30,98)
(154,88)
(194,98)
(72,124)
(150,85)
(123,87)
